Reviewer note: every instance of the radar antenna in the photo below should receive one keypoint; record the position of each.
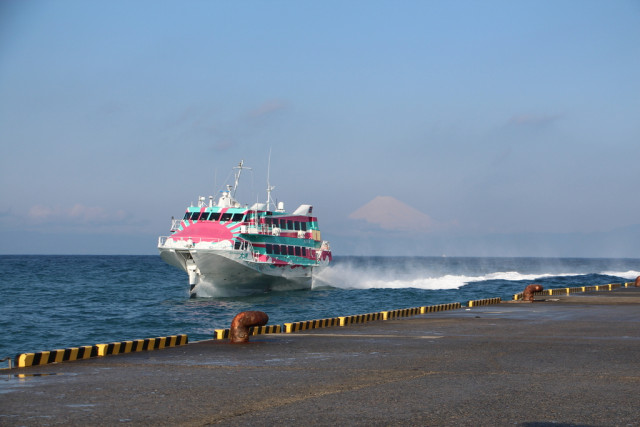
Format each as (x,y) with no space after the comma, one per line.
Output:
(240,167)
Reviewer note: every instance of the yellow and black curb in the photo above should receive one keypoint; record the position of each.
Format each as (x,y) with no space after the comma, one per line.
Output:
(487,301)
(56,356)
(312,324)
(85,352)
(579,289)
(222,334)
(341,321)
(440,307)
(141,345)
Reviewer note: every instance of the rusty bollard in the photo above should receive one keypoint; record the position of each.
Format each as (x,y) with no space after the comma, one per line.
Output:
(637,282)
(527,295)
(240,325)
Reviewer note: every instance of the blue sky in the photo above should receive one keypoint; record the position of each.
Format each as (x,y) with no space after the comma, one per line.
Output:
(513,128)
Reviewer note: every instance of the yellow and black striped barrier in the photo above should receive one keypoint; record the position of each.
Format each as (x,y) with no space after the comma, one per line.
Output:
(341,321)
(311,324)
(441,307)
(403,312)
(266,329)
(85,352)
(407,312)
(222,334)
(56,356)
(579,289)
(141,345)
(359,318)
(486,301)
(331,322)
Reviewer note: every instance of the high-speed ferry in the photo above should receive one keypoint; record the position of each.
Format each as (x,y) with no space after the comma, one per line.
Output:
(234,249)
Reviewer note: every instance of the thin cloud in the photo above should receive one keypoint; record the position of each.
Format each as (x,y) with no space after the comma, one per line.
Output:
(268,108)
(77,214)
(223,145)
(533,120)
(221,133)
(195,125)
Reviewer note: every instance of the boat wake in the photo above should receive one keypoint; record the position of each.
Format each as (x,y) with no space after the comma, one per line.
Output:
(349,276)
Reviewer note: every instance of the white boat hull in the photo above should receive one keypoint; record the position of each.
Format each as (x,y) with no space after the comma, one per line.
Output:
(220,273)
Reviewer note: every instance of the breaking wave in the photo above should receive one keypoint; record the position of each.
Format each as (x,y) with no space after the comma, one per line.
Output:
(351,275)
(354,278)
(630,275)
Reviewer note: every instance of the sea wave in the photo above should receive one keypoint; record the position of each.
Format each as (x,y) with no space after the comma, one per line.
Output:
(353,276)
(630,274)
(350,277)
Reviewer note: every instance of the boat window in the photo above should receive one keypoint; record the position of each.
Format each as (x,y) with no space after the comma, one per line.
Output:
(290,225)
(225,217)
(195,215)
(269,248)
(291,250)
(283,249)
(215,216)
(296,225)
(276,249)
(303,226)
(187,216)
(304,250)
(298,251)
(237,217)
(204,216)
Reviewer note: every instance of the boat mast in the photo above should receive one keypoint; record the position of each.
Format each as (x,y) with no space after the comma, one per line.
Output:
(240,167)
(269,186)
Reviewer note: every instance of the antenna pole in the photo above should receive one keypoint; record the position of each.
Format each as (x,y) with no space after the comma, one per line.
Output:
(235,185)
(269,187)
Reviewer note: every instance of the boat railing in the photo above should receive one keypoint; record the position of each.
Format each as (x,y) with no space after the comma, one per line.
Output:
(190,242)
(253,228)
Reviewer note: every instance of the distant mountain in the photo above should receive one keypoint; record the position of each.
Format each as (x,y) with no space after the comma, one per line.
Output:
(390,213)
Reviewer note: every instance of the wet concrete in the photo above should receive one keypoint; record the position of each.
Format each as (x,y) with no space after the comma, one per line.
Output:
(569,360)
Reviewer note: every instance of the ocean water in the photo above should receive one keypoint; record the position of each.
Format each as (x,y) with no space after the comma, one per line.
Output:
(51,302)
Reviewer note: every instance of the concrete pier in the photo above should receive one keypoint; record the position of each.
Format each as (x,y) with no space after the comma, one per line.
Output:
(567,360)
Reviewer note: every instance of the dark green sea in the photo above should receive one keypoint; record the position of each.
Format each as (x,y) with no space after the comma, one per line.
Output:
(51,302)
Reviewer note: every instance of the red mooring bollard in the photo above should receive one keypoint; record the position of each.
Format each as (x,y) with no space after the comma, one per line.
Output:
(637,282)
(527,295)
(240,325)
